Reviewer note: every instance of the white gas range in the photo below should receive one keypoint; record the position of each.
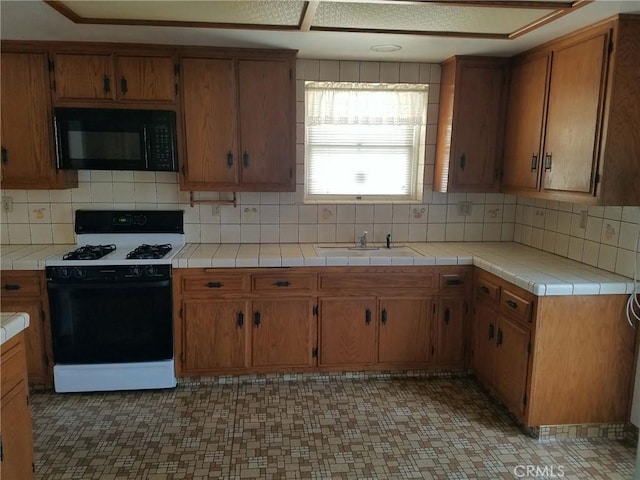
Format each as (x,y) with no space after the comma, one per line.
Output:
(111,302)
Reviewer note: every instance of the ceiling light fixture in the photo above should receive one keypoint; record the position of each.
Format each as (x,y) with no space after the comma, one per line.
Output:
(386,48)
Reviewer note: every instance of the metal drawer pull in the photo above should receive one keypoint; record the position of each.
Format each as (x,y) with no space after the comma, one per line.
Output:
(499,337)
(547,161)
(256,319)
(106,84)
(384,316)
(245,159)
(446,316)
(240,319)
(11,286)
(282,283)
(123,85)
(215,285)
(454,282)
(485,289)
(512,304)
(463,161)
(230,159)
(534,162)
(367,317)
(5,155)
(491,331)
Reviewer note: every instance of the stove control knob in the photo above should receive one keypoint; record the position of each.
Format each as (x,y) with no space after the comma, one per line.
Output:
(150,271)
(135,271)
(79,272)
(64,272)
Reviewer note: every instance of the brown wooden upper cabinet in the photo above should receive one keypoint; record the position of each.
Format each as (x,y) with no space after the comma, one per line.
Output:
(469,143)
(573,118)
(239,123)
(108,77)
(28,160)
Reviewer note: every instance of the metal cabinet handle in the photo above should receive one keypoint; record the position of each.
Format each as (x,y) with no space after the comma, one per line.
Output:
(123,85)
(11,286)
(534,162)
(245,159)
(547,161)
(215,285)
(367,317)
(282,283)
(240,319)
(499,341)
(446,316)
(491,331)
(485,289)
(454,282)
(383,318)
(463,161)
(5,156)
(256,319)
(106,84)
(229,159)
(512,304)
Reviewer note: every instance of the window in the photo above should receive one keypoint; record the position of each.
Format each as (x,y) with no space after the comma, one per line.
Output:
(364,141)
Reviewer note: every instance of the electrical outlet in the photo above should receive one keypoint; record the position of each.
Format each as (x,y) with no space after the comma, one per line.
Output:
(464,209)
(215,210)
(7,204)
(583,219)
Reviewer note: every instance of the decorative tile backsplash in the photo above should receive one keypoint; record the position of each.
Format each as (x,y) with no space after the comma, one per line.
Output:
(604,237)
(607,239)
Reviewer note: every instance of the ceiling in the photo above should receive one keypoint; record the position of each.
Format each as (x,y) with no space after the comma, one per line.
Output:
(426,31)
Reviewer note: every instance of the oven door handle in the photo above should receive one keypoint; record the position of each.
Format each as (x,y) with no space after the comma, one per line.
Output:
(106,285)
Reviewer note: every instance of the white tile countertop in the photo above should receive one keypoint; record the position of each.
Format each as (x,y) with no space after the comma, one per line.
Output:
(11,324)
(536,271)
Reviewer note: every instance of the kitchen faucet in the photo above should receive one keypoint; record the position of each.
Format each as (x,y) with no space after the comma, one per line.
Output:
(363,239)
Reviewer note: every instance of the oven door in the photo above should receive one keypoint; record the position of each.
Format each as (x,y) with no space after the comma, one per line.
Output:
(105,322)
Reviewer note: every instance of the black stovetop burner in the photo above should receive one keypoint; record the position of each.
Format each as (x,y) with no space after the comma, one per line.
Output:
(149,252)
(89,252)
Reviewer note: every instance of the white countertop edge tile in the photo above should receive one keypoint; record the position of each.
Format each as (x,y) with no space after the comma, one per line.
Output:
(11,324)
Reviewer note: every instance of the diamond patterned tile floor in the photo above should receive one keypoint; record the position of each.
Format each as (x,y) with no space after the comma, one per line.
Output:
(315,428)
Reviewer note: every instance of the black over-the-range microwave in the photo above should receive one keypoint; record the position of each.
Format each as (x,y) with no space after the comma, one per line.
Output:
(115,139)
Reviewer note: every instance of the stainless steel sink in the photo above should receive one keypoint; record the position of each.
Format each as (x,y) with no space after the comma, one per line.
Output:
(369,251)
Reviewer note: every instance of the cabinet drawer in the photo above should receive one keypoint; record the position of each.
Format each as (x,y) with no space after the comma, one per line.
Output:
(286,282)
(382,282)
(13,364)
(20,284)
(517,306)
(487,290)
(453,281)
(215,283)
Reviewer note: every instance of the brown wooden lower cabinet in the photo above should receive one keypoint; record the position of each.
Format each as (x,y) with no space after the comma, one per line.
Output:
(553,360)
(347,331)
(450,328)
(26,291)
(16,435)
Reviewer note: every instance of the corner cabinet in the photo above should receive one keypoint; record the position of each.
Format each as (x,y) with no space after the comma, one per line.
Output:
(546,358)
(239,122)
(470,124)
(28,160)
(573,117)
(16,436)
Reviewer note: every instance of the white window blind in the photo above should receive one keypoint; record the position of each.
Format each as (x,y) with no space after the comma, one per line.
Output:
(364,141)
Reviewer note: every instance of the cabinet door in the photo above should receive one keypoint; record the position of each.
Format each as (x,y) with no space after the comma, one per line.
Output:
(450,330)
(573,120)
(512,358)
(476,143)
(484,341)
(27,145)
(525,124)
(210,123)
(17,437)
(405,331)
(145,78)
(35,341)
(283,333)
(214,335)
(84,77)
(347,331)
(267,124)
